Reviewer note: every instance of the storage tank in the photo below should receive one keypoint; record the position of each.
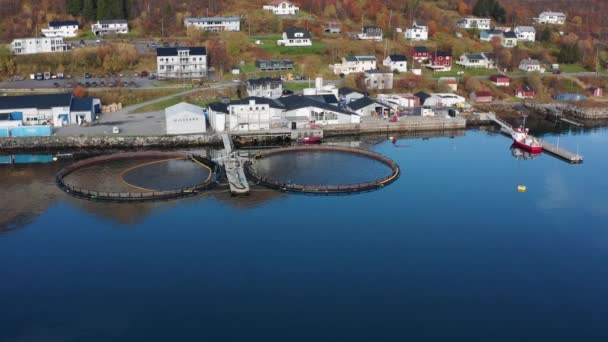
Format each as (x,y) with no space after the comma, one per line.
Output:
(319,83)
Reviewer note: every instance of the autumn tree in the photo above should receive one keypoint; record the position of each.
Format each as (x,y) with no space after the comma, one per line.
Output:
(80,92)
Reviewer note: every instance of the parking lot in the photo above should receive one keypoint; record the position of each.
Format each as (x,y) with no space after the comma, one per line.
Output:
(130,80)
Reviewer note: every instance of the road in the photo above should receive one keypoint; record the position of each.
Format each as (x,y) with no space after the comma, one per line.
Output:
(546,74)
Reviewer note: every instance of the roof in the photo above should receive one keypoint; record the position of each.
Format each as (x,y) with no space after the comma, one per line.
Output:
(45,101)
(346,91)
(360,58)
(398,58)
(278,2)
(219,107)
(525,29)
(298,101)
(482,93)
(291,33)
(264,80)
(113,21)
(529,61)
(82,104)
(443,53)
(371,27)
(474,56)
(509,34)
(326,98)
(284,61)
(422,96)
(258,100)
(527,88)
(63,23)
(418,24)
(172,51)
(489,55)
(552,14)
(212,19)
(491,31)
(421,49)
(364,102)
(183,107)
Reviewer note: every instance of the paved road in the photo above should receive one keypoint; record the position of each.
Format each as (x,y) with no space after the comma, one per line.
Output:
(546,74)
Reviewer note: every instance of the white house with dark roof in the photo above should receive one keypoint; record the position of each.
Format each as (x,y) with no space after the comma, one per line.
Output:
(525,33)
(265,87)
(370,32)
(366,106)
(181,62)
(354,64)
(114,26)
(557,18)
(417,32)
(530,65)
(474,23)
(214,24)
(64,29)
(295,37)
(396,63)
(27,46)
(483,60)
(281,7)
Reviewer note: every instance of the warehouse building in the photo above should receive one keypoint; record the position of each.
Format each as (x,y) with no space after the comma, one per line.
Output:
(185,118)
(49,109)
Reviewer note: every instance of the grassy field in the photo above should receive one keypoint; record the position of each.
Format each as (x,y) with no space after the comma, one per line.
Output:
(269,44)
(297,86)
(159,105)
(131,96)
(572,68)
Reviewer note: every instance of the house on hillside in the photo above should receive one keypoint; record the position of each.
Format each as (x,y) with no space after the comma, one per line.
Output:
(63,29)
(274,65)
(509,39)
(379,79)
(530,65)
(417,32)
(27,46)
(440,61)
(420,53)
(481,96)
(451,82)
(265,87)
(500,80)
(354,64)
(214,24)
(295,37)
(474,23)
(595,91)
(333,27)
(483,60)
(114,26)
(525,92)
(557,18)
(370,32)
(181,62)
(348,95)
(396,63)
(525,33)
(488,35)
(281,7)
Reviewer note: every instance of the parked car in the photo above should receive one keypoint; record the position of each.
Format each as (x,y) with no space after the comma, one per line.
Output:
(102,84)
(87,75)
(144,74)
(166,45)
(132,84)
(94,84)
(87,84)
(556,72)
(68,76)
(56,85)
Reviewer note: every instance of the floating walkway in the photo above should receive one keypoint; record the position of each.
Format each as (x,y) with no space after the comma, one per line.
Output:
(233,168)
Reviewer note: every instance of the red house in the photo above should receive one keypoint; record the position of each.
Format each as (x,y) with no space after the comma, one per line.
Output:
(595,91)
(440,61)
(420,53)
(500,80)
(481,96)
(525,92)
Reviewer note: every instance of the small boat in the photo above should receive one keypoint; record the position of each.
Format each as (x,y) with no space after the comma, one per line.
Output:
(310,140)
(522,140)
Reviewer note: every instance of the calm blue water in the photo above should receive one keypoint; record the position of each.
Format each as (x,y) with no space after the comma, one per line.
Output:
(449,252)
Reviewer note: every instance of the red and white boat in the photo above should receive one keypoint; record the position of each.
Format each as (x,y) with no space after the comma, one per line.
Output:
(310,140)
(526,142)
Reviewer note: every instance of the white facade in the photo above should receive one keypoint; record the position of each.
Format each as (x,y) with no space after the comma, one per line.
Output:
(64,29)
(396,62)
(282,8)
(252,115)
(525,33)
(26,46)
(265,87)
(530,65)
(557,18)
(184,118)
(417,32)
(321,116)
(103,27)
(444,100)
(354,64)
(189,62)
(370,33)
(475,23)
(293,37)
(214,24)
(476,60)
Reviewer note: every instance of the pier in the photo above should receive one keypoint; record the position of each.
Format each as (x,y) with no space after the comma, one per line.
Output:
(571,157)
(233,168)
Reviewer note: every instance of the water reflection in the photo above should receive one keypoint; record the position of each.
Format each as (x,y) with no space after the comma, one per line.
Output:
(520,154)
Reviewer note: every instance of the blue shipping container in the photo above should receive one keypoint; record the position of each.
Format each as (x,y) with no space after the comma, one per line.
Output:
(3,132)
(32,131)
(33,158)
(570,97)
(4,159)
(16,116)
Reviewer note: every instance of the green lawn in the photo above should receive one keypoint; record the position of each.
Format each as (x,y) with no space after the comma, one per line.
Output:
(572,68)
(159,105)
(269,44)
(297,86)
(456,69)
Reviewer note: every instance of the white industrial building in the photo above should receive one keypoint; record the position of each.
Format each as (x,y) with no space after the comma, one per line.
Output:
(115,26)
(281,7)
(417,32)
(49,109)
(444,100)
(214,24)
(181,62)
(185,118)
(254,113)
(27,46)
(354,64)
(217,114)
(64,29)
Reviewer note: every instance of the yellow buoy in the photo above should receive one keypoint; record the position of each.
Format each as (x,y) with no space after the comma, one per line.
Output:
(522,188)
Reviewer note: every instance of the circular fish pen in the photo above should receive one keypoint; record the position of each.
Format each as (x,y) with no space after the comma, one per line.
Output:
(314,185)
(142,176)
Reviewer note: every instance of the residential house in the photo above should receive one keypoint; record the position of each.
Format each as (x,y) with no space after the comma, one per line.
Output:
(557,18)
(379,79)
(348,95)
(483,60)
(367,106)
(500,80)
(509,39)
(282,7)
(354,64)
(488,35)
(45,109)
(254,113)
(474,23)
(63,29)
(105,27)
(525,33)
(300,111)
(481,96)
(295,37)
(185,118)
(595,91)
(396,63)
(265,87)
(399,101)
(530,65)
(370,33)
(440,61)
(214,24)
(333,27)
(417,32)
(420,53)
(525,92)
(451,82)
(274,65)
(181,62)
(26,46)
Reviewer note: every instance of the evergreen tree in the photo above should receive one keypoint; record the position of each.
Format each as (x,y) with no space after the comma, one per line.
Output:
(74,7)
(569,54)
(88,9)
(489,8)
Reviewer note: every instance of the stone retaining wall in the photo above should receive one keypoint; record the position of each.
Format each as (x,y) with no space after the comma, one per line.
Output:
(570,110)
